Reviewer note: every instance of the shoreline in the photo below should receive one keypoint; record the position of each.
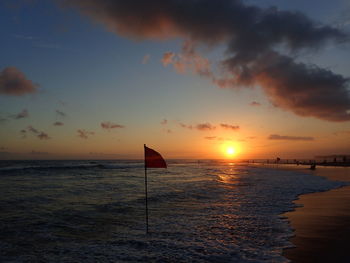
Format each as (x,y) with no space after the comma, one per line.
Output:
(321,222)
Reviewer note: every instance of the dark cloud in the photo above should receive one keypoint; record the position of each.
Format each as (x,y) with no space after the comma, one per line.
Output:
(252,36)
(84,134)
(290,138)
(229,127)
(39,134)
(14,83)
(43,136)
(110,125)
(205,127)
(32,129)
(23,114)
(60,113)
(255,103)
(58,123)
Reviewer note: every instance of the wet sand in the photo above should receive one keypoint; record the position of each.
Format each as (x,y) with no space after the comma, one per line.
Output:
(322,225)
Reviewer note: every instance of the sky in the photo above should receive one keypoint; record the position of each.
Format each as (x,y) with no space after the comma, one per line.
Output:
(98,79)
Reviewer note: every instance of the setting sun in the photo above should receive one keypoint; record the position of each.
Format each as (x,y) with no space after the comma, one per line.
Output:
(230,151)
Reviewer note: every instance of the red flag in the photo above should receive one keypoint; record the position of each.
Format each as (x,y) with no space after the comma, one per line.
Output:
(153,159)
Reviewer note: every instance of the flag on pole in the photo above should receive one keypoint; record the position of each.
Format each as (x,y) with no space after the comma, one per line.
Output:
(153,159)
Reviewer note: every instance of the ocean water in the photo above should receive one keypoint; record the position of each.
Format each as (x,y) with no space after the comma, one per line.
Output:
(81,211)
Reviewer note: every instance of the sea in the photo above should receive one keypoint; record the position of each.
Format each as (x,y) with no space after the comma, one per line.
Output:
(199,211)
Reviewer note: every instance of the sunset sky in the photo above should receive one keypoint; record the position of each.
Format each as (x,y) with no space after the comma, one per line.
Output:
(98,79)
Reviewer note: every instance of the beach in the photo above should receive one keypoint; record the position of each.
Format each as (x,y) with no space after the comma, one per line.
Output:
(322,222)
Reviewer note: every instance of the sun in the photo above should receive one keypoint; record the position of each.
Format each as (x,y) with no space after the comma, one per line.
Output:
(230,151)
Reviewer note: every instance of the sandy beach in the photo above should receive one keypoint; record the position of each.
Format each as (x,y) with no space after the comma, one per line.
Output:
(322,224)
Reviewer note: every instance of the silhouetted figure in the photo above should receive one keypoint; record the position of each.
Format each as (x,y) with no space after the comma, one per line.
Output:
(313,166)
(335,159)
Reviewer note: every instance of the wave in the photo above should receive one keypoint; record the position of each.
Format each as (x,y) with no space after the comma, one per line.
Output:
(69,166)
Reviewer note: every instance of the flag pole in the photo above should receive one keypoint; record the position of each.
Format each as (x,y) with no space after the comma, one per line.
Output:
(144,147)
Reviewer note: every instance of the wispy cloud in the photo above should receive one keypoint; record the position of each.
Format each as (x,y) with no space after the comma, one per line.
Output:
(200,127)
(210,138)
(23,133)
(58,123)
(183,125)
(205,127)
(25,37)
(290,138)
(107,125)
(164,122)
(255,103)
(39,134)
(168,58)
(84,134)
(23,114)
(188,61)
(60,113)
(229,127)
(14,83)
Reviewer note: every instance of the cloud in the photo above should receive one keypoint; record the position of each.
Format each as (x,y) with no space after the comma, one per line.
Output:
(110,125)
(290,138)
(60,113)
(229,127)
(189,60)
(23,114)
(39,134)
(205,127)
(201,126)
(43,136)
(14,83)
(164,122)
(255,103)
(210,137)
(183,125)
(84,134)
(168,58)
(146,58)
(23,133)
(58,123)
(252,36)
